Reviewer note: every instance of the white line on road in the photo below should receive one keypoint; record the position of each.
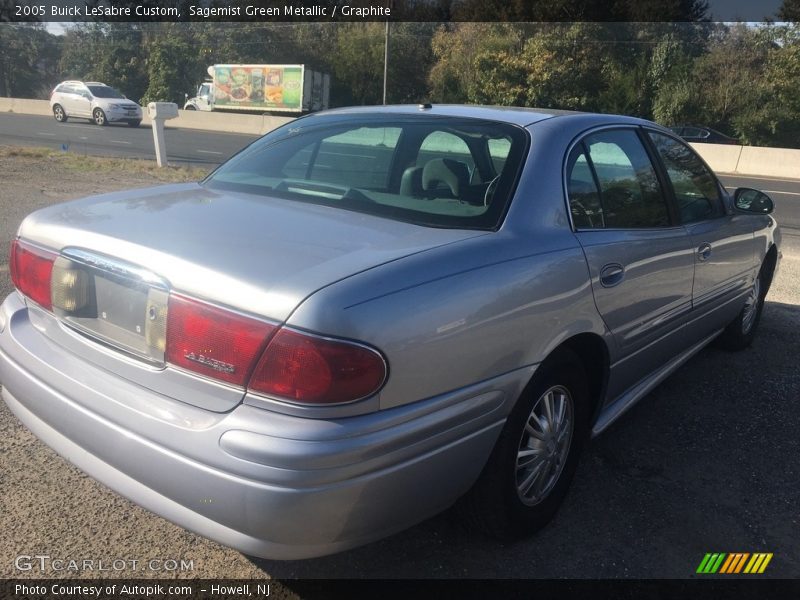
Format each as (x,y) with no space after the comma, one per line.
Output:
(119,142)
(47,134)
(207,152)
(762,178)
(83,137)
(733,187)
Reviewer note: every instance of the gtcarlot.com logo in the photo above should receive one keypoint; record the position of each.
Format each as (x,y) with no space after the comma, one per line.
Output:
(734,563)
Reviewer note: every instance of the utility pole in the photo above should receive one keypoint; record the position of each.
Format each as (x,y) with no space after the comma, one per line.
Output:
(385,59)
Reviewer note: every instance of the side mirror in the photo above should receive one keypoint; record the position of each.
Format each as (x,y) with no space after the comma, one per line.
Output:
(752,201)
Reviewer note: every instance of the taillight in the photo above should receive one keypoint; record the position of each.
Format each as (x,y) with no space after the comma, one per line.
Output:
(31,269)
(213,341)
(312,370)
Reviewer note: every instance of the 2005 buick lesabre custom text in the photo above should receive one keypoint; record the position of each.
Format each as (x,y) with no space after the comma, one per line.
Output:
(371,314)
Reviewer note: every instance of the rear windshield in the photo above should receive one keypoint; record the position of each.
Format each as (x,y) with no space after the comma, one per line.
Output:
(104,91)
(429,170)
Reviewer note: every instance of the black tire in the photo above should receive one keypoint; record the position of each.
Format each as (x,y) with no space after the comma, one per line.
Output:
(740,332)
(59,114)
(495,504)
(190,107)
(99,117)
(134,123)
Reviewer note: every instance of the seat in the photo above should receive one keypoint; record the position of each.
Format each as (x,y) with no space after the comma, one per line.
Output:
(445,172)
(411,182)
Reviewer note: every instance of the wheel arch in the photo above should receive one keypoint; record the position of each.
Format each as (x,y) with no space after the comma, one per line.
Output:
(591,350)
(769,264)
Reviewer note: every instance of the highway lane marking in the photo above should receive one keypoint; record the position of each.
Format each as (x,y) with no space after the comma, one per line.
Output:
(208,152)
(733,187)
(763,178)
(119,142)
(47,134)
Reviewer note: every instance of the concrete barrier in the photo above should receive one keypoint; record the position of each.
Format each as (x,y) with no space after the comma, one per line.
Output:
(772,162)
(751,160)
(188,119)
(723,158)
(25,106)
(228,122)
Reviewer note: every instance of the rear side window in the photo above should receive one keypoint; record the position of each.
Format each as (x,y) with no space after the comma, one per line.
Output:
(630,193)
(421,169)
(696,190)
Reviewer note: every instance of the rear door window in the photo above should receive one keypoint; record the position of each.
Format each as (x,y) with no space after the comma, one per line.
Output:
(630,191)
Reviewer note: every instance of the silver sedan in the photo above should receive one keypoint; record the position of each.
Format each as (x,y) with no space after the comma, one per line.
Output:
(372,314)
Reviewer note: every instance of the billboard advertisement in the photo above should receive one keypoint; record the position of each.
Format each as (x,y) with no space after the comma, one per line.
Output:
(278,87)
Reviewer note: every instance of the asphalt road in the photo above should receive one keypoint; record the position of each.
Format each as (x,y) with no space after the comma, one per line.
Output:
(79,136)
(705,463)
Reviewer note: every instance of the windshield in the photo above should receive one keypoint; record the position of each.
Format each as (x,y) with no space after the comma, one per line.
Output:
(104,91)
(429,170)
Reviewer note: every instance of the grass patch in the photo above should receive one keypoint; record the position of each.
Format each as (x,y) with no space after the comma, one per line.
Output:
(104,164)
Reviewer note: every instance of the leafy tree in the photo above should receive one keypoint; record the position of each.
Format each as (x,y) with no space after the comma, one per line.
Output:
(113,53)
(28,59)
(789,10)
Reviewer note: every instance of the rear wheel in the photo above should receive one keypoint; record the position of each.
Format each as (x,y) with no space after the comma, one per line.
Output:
(739,334)
(99,117)
(531,467)
(59,114)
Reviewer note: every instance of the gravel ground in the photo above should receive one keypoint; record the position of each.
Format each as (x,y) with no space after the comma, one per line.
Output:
(706,463)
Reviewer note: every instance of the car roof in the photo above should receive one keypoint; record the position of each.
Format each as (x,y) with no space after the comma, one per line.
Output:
(515,115)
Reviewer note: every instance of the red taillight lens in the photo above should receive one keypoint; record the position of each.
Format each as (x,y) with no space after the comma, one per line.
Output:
(31,269)
(212,341)
(313,370)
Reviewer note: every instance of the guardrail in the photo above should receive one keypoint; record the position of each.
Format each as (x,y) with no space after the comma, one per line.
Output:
(736,160)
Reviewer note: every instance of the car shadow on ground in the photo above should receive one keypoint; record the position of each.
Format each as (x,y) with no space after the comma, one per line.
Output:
(706,462)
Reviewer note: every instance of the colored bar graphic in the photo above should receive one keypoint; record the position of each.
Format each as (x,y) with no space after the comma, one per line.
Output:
(733,563)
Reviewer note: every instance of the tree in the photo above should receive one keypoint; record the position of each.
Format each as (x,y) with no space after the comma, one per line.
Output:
(28,59)
(789,10)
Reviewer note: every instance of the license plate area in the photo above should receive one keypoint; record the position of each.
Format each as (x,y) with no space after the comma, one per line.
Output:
(113,302)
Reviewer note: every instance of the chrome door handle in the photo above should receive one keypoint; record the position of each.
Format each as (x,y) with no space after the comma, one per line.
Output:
(612,274)
(704,251)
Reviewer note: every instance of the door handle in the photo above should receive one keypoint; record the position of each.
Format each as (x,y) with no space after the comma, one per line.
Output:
(612,274)
(704,251)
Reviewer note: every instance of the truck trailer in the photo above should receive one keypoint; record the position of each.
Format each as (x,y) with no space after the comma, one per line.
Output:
(262,88)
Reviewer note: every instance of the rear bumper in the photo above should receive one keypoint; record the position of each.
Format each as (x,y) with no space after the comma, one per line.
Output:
(267,484)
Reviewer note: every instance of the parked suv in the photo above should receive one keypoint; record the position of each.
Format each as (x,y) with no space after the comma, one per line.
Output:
(95,101)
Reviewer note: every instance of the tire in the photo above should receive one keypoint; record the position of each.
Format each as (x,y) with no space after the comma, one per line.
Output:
(740,332)
(99,117)
(190,107)
(134,123)
(59,114)
(510,501)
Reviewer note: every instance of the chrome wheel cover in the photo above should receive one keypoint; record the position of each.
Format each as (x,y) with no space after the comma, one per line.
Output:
(544,445)
(750,310)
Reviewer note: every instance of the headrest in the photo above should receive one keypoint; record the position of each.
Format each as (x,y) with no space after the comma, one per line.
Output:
(452,173)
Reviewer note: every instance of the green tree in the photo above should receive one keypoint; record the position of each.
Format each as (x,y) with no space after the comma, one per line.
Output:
(28,60)
(789,10)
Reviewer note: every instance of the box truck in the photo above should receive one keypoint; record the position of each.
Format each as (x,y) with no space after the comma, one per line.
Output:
(262,88)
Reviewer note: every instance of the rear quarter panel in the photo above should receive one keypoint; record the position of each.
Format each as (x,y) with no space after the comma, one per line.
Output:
(462,313)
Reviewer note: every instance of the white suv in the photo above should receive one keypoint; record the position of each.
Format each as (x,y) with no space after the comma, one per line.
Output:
(95,101)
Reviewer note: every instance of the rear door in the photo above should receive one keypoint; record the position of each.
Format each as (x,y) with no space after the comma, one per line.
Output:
(724,245)
(640,259)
